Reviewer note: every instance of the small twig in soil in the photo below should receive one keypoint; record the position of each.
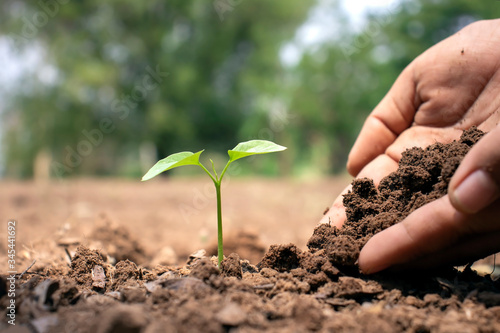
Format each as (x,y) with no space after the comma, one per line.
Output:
(26,270)
(68,254)
(264,286)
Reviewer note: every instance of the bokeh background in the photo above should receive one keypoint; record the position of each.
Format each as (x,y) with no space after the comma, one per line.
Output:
(106,88)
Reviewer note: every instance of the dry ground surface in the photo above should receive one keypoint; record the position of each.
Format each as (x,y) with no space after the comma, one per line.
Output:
(122,256)
(170,214)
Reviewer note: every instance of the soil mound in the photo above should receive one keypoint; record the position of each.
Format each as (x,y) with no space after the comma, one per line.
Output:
(422,176)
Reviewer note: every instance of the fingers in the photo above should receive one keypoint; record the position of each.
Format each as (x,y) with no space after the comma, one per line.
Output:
(376,170)
(464,252)
(391,117)
(434,234)
(476,183)
(427,230)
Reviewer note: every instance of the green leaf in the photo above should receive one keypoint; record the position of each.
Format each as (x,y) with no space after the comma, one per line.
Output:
(173,161)
(253,147)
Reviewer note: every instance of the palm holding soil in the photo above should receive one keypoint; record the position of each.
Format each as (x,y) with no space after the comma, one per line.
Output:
(450,87)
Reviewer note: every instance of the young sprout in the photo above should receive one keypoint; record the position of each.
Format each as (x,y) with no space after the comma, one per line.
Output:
(242,149)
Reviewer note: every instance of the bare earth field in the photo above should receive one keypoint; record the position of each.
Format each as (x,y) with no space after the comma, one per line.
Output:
(178,214)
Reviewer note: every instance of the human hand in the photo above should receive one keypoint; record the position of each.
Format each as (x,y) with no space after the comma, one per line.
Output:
(460,227)
(453,86)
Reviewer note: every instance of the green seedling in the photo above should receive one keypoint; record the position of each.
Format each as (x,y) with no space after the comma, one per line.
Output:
(243,149)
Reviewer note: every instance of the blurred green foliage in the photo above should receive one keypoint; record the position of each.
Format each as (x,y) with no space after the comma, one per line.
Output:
(122,80)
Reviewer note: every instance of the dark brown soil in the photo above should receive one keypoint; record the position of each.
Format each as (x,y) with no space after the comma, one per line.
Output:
(115,288)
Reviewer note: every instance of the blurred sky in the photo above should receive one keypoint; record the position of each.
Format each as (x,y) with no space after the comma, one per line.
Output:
(319,27)
(358,8)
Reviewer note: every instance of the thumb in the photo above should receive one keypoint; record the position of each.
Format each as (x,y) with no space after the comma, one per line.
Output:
(476,183)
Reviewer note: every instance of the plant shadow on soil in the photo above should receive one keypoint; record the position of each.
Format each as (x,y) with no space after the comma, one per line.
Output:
(290,290)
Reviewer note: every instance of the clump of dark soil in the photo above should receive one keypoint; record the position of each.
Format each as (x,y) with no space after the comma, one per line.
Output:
(290,290)
(422,176)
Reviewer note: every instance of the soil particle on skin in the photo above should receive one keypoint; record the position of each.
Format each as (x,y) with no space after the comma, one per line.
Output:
(290,290)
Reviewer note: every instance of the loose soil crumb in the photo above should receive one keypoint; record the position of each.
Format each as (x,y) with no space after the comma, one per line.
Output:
(290,290)
(231,266)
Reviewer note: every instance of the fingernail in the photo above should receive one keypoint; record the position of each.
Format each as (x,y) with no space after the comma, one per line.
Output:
(475,192)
